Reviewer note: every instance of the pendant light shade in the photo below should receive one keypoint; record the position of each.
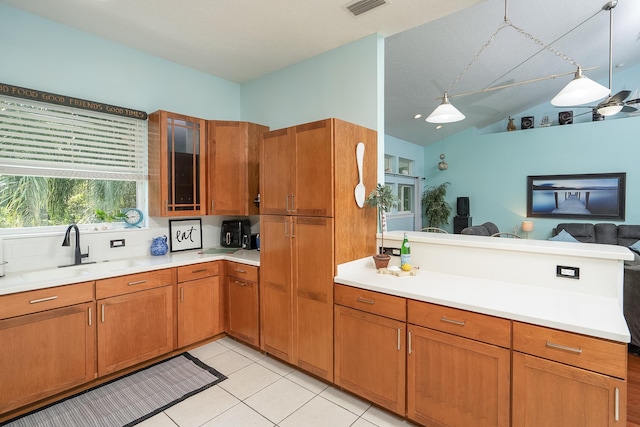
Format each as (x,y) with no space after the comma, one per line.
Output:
(580,90)
(445,113)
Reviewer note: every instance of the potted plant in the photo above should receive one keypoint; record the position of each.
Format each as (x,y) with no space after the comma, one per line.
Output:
(383,199)
(436,209)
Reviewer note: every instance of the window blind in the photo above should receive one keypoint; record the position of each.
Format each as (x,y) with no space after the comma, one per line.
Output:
(58,141)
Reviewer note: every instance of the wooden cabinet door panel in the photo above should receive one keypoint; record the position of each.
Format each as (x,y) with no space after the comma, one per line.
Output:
(455,381)
(45,353)
(134,328)
(227,167)
(276,170)
(370,357)
(242,303)
(313,297)
(199,310)
(547,393)
(275,286)
(314,177)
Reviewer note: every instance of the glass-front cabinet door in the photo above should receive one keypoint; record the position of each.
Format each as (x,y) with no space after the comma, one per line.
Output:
(176,165)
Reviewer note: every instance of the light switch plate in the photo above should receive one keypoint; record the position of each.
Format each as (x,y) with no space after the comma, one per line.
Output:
(567,272)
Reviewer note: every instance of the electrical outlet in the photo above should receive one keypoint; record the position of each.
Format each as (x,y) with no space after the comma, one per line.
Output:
(117,243)
(390,251)
(567,272)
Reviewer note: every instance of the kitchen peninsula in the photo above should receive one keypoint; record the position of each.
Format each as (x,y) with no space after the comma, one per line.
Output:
(490,331)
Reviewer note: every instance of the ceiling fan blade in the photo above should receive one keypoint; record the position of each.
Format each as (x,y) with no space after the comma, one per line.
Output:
(619,97)
(628,109)
(633,101)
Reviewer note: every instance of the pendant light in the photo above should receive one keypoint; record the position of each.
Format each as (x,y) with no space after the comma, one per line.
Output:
(580,90)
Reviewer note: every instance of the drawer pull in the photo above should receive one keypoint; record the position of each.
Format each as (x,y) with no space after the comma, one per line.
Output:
(35,301)
(240,283)
(202,270)
(564,347)
(139,282)
(455,322)
(366,301)
(239,270)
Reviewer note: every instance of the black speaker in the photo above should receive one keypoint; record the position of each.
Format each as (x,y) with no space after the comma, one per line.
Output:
(526,122)
(460,223)
(565,117)
(463,206)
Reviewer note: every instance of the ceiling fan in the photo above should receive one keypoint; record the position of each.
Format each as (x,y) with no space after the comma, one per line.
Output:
(614,103)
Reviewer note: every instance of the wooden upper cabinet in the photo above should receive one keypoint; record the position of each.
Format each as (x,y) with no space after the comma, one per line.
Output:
(177,172)
(233,167)
(313,188)
(297,170)
(277,166)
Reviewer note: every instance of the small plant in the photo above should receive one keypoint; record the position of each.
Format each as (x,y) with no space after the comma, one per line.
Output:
(435,206)
(109,217)
(384,200)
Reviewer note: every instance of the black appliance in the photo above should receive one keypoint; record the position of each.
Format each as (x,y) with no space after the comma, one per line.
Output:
(235,234)
(460,223)
(463,206)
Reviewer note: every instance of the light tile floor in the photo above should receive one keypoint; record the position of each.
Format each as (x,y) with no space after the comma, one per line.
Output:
(262,391)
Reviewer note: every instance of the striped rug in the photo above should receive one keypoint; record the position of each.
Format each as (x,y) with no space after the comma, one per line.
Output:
(128,400)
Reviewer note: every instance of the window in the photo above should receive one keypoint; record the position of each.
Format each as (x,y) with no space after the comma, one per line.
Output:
(405,196)
(59,164)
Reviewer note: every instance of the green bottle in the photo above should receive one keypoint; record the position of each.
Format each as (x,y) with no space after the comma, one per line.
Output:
(405,251)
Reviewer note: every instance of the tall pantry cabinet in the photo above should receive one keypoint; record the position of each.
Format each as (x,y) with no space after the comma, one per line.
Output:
(309,224)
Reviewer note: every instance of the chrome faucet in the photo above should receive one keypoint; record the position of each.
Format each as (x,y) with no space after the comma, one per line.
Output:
(77,255)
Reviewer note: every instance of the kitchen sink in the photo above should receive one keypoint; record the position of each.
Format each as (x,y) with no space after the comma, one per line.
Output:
(53,274)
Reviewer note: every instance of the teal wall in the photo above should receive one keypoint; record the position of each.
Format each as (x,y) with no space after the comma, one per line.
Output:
(40,54)
(492,169)
(343,83)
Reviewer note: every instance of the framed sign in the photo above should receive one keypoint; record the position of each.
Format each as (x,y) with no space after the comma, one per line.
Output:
(583,196)
(185,234)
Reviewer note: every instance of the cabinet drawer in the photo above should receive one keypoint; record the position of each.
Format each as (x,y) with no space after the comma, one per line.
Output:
(372,302)
(242,271)
(198,271)
(595,354)
(121,285)
(45,299)
(479,327)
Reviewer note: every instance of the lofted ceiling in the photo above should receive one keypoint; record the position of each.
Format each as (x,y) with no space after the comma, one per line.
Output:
(427,44)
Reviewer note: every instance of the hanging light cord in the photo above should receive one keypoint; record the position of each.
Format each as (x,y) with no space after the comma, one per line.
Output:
(507,23)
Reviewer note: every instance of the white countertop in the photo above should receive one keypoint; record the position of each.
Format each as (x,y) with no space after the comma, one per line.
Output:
(39,279)
(592,315)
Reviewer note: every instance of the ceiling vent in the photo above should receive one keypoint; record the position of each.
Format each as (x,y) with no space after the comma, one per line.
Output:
(358,7)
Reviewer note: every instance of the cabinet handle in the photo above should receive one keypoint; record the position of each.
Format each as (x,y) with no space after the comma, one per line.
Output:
(293,205)
(366,301)
(286,228)
(102,314)
(212,206)
(455,322)
(293,229)
(139,282)
(239,270)
(90,316)
(564,347)
(35,301)
(202,270)
(409,343)
(287,203)
(181,293)
(240,283)
(616,409)
(399,330)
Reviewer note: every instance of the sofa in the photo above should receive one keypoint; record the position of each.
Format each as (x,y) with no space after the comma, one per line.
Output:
(622,235)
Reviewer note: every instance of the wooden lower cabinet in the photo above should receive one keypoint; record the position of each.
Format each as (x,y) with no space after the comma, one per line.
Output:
(370,357)
(199,310)
(566,379)
(134,327)
(243,303)
(454,381)
(45,353)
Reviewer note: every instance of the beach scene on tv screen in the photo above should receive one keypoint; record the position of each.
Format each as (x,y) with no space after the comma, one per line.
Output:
(575,196)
